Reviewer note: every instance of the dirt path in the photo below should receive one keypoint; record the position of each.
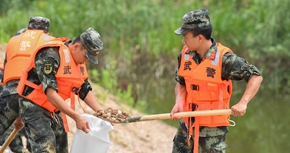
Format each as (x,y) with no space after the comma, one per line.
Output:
(139,137)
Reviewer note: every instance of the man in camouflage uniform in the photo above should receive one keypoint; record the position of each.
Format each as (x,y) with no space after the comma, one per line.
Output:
(2,139)
(196,30)
(45,129)
(9,97)
(16,144)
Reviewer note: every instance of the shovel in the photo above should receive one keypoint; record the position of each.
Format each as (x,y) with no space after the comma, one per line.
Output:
(167,115)
(8,141)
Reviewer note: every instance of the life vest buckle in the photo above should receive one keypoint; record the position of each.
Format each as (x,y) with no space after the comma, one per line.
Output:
(76,90)
(55,118)
(194,87)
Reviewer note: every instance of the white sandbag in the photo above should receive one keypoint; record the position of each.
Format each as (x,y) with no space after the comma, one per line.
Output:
(96,141)
(7,150)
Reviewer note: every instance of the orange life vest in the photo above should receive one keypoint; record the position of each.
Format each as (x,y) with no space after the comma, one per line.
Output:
(205,89)
(19,49)
(70,78)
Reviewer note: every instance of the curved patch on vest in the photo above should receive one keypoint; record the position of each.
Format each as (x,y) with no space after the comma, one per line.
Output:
(46,37)
(216,60)
(186,57)
(66,55)
(47,68)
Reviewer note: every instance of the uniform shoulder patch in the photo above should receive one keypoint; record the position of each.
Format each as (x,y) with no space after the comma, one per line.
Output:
(47,67)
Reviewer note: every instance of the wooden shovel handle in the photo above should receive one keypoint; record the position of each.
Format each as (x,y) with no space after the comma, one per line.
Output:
(8,141)
(179,114)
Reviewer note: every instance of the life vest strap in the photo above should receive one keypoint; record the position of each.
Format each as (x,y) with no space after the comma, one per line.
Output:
(196,135)
(189,127)
(64,119)
(65,123)
(189,131)
(32,85)
(72,100)
(79,101)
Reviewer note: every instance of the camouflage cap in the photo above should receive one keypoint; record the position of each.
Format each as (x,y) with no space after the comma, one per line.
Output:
(91,40)
(38,22)
(198,19)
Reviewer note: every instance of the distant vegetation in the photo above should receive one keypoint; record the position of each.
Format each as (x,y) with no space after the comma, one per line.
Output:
(257,29)
(140,49)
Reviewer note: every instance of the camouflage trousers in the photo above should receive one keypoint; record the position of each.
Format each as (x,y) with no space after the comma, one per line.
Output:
(44,133)
(16,144)
(211,140)
(9,111)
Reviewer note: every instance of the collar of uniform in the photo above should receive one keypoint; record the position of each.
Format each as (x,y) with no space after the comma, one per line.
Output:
(210,53)
(66,43)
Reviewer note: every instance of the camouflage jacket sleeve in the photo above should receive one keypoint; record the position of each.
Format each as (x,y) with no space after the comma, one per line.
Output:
(1,74)
(47,63)
(178,78)
(237,68)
